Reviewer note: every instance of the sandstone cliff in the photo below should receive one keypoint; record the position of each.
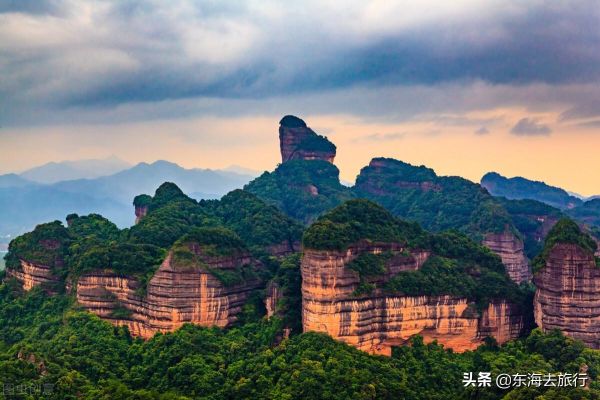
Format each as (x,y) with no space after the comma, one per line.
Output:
(440,202)
(174,296)
(298,142)
(379,320)
(32,274)
(568,294)
(510,249)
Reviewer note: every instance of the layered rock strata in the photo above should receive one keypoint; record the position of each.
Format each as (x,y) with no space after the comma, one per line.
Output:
(378,321)
(174,296)
(568,294)
(32,274)
(510,249)
(298,142)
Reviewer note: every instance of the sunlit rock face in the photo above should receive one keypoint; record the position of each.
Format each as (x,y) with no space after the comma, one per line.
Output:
(298,142)
(174,296)
(378,321)
(568,294)
(32,274)
(510,249)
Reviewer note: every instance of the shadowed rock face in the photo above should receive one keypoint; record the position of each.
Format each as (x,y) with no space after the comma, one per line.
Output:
(378,321)
(298,142)
(510,249)
(32,274)
(568,294)
(140,212)
(174,296)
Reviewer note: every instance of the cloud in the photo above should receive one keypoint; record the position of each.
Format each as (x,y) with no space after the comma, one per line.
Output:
(482,131)
(57,56)
(530,127)
(590,124)
(381,137)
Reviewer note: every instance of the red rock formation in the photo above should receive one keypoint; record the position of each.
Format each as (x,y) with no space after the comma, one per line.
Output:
(377,321)
(510,249)
(568,294)
(274,294)
(32,274)
(140,212)
(174,296)
(298,142)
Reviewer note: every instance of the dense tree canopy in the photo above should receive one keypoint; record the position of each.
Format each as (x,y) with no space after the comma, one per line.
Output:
(436,202)
(359,220)
(71,354)
(302,189)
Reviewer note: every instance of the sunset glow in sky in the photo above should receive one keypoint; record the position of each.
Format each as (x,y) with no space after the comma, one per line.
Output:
(464,87)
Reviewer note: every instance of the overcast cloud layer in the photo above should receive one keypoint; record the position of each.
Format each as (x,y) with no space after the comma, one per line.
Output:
(61,59)
(464,86)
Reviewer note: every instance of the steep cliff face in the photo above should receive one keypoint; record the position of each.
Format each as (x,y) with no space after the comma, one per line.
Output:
(510,249)
(140,212)
(568,294)
(174,296)
(377,321)
(440,202)
(31,274)
(274,295)
(299,142)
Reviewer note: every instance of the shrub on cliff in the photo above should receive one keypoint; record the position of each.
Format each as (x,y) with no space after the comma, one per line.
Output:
(568,232)
(47,245)
(126,259)
(257,223)
(358,220)
(142,200)
(163,226)
(436,202)
(316,143)
(302,189)
(212,242)
(93,225)
(165,194)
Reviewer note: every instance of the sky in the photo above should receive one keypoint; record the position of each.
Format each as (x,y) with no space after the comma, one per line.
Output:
(465,87)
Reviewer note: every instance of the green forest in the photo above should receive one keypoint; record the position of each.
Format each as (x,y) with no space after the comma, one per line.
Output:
(57,350)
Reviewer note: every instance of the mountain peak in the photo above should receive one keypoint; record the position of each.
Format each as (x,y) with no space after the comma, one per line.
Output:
(298,142)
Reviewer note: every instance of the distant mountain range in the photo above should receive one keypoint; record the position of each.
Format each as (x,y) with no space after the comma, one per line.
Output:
(25,202)
(53,172)
(585,210)
(519,188)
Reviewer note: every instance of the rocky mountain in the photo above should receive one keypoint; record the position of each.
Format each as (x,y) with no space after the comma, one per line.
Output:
(444,202)
(299,142)
(303,189)
(53,172)
(354,263)
(183,262)
(373,282)
(533,219)
(568,284)
(522,188)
